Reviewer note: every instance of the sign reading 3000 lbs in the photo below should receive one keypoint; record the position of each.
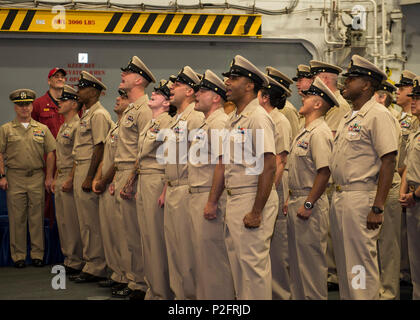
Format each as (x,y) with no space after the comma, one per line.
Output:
(151,23)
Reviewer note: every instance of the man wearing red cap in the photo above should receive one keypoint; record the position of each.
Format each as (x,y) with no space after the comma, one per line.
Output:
(45,110)
(46,107)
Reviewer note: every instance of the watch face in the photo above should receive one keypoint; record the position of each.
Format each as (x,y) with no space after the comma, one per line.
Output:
(308,205)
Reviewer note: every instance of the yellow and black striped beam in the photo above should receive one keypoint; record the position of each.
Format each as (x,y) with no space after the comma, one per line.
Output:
(143,23)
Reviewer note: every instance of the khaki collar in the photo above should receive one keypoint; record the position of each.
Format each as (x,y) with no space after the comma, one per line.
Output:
(362,112)
(316,123)
(92,109)
(32,123)
(249,109)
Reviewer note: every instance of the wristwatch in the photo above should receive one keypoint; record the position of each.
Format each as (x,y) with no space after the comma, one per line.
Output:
(308,205)
(2,176)
(415,198)
(377,210)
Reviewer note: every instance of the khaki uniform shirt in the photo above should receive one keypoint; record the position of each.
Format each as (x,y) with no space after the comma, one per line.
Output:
(361,140)
(409,124)
(253,117)
(283,131)
(292,115)
(311,150)
(412,160)
(149,144)
(110,147)
(93,129)
(336,113)
(201,174)
(181,125)
(134,119)
(395,113)
(25,148)
(65,142)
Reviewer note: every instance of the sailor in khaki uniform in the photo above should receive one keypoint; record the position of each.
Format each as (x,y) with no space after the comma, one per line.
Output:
(135,78)
(389,242)
(94,126)
(289,109)
(112,227)
(303,80)
(149,176)
(308,205)
(273,98)
(408,124)
(410,194)
(65,206)
(328,73)
(363,163)
(23,144)
(214,279)
(177,221)
(252,203)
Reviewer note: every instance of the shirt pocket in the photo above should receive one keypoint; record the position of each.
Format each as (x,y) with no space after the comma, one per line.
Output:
(38,139)
(302,152)
(13,138)
(353,136)
(85,128)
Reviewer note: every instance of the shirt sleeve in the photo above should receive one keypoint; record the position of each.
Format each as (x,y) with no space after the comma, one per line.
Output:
(100,127)
(35,110)
(50,143)
(3,142)
(143,118)
(384,134)
(321,148)
(263,128)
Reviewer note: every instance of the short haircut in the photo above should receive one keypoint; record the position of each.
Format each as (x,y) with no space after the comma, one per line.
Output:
(277,98)
(388,99)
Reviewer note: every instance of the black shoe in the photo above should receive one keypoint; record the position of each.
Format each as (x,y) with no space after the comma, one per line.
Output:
(108,283)
(118,286)
(332,286)
(137,295)
(71,271)
(37,263)
(123,293)
(87,277)
(20,264)
(73,277)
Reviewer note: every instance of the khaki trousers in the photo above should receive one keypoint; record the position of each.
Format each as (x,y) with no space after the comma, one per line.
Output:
(68,223)
(389,246)
(25,206)
(179,243)
(413,233)
(405,259)
(113,237)
(214,279)
(332,268)
(308,249)
(249,249)
(128,211)
(279,251)
(87,206)
(151,220)
(355,246)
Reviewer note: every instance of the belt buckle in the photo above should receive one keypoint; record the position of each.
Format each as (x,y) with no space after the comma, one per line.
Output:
(59,171)
(29,173)
(189,190)
(338,188)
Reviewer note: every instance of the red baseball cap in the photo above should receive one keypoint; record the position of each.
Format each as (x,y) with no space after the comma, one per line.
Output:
(53,71)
